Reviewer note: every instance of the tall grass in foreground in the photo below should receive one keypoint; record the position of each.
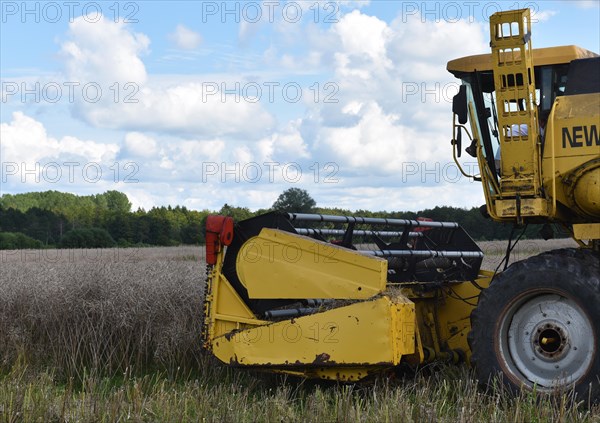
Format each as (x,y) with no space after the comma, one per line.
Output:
(116,338)
(227,395)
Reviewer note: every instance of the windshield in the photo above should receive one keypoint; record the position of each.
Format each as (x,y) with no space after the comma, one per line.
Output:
(483,116)
(489,101)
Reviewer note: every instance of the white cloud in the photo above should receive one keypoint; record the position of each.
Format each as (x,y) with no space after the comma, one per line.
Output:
(25,140)
(166,163)
(140,145)
(110,52)
(363,36)
(421,49)
(191,108)
(394,92)
(32,159)
(195,151)
(104,52)
(378,142)
(284,145)
(184,38)
(542,16)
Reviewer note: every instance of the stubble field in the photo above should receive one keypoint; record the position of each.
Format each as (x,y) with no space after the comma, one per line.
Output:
(113,335)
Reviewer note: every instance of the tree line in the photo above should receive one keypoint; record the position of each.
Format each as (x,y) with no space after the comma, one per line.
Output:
(57,219)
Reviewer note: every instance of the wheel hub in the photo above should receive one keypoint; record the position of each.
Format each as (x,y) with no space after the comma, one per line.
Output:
(546,340)
(550,340)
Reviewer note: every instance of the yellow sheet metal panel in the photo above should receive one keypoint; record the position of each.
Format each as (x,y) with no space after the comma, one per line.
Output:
(575,127)
(530,207)
(228,302)
(541,57)
(224,311)
(279,264)
(454,314)
(571,162)
(376,332)
(585,231)
(586,193)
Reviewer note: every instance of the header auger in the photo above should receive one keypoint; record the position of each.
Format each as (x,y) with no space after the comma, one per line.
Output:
(342,297)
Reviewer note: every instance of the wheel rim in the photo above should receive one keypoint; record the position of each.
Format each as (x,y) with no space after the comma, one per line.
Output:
(546,340)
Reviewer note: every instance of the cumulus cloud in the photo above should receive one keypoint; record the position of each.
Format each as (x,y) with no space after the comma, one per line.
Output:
(192,152)
(25,140)
(394,92)
(140,145)
(187,108)
(184,38)
(283,145)
(33,159)
(106,53)
(378,141)
(361,35)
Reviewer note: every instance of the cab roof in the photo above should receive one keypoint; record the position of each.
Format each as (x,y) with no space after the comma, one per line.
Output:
(541,57)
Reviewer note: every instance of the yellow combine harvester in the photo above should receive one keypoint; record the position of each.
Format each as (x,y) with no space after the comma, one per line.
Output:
(343,297)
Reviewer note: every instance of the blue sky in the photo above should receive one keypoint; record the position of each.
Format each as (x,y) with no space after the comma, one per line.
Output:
(205,103)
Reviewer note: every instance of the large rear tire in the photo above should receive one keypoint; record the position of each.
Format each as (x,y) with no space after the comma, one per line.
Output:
(537,325)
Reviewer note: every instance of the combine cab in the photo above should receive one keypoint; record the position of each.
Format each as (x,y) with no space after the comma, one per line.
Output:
(338,297)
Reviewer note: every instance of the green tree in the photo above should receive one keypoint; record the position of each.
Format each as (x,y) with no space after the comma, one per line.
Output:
(238,213)
(295,200)
(14,241)
(87,238)
(117,201)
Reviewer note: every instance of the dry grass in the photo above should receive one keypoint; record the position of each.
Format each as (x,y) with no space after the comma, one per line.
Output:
(113,335)
(494,251)
(102,310)
(233,396)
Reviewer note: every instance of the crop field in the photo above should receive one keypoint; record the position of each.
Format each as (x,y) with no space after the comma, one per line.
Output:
(113,335)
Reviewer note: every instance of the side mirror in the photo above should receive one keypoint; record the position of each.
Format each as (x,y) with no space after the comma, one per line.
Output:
(459,104)
(458,140)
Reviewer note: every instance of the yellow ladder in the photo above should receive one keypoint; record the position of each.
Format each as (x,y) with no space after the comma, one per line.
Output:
(514,81)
